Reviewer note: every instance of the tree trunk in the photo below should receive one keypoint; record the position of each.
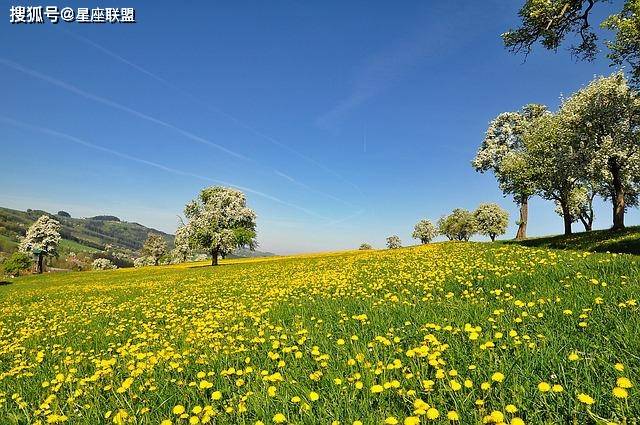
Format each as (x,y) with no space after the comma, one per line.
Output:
(524,216)
(586,223)
(617,197)
(566,217)
(214,257)
(493,237)
(40,265)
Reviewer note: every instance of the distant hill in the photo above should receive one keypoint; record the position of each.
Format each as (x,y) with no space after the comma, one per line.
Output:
(86,234)
(92,233)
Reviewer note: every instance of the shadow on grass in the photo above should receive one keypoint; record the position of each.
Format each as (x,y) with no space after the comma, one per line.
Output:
(626,241)
(5,282)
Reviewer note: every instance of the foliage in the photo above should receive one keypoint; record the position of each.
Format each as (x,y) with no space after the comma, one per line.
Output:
(550,22)
(491,220)
(155,247)
(143,261)
(365,246)
(16,263)
(359,336)
(43,236)
(103,264)
(503,152)
(424,231)
(459,225)
(220,221)
(63,214)
(605,118)
(626,46)
(181,242)
(394,242)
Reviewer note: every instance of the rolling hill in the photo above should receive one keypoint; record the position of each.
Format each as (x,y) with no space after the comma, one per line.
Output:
(86,234)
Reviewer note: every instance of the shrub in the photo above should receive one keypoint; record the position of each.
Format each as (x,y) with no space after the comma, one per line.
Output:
(103,264)
(16,263)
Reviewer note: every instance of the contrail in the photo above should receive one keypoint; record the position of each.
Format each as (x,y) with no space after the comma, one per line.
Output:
(104,101)
(122,155)
(213,109)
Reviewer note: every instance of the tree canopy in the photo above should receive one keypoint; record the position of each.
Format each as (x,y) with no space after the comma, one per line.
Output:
(424,231)
(551,22)
(491,220)
(42,239)
(155,247)
(219,221)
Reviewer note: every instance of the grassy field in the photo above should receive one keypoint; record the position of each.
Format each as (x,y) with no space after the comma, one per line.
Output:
(626,241)
(446,333)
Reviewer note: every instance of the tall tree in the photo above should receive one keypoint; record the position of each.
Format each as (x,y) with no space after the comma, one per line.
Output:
(553,161)
(491,220)
(502,152)
(154,247)
(220,221)
(461,224)
(181,242)
(42,240)
(605,117)
(550,22)
(424,231)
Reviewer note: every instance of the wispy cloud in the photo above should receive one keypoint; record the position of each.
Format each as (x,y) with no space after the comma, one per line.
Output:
(156,165)
(381,71)
(237,121)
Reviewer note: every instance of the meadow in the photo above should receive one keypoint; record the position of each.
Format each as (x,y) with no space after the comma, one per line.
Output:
(442,333)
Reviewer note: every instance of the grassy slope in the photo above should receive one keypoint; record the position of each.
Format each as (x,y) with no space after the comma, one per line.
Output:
(163,326)
(626,241)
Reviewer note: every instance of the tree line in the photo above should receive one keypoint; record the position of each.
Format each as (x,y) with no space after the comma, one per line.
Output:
(460,225)
(589,147)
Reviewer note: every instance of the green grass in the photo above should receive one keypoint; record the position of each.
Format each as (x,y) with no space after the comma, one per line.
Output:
(129,346)
(625,241)
(67,246)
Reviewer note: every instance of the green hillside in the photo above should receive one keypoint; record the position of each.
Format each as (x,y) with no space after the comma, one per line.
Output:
(79,234)
(626,241)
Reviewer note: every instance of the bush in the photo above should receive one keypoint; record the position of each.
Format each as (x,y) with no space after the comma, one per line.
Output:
(143,261)
(365,246)
(103,264)
(16,263)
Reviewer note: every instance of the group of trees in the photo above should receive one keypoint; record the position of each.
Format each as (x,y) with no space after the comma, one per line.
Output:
(488,219)
(589,147)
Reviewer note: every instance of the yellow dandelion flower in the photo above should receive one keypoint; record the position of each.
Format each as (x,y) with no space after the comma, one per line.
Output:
(619,392)
(544,387)
(586,399)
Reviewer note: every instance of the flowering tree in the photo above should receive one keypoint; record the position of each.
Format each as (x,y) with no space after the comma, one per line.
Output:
(394,242)
(491,220)
(154,247)
(220,221)
(103,264)
(365,246)
(181,242)
(552,160)
(459,225)
(502,152)
(605,117)
(424,231)
(41,240)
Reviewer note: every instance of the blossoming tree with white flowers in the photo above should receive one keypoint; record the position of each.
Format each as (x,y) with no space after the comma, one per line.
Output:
(42,240)
(219,221)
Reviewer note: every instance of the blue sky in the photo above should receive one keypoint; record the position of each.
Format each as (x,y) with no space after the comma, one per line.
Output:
(344,122)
